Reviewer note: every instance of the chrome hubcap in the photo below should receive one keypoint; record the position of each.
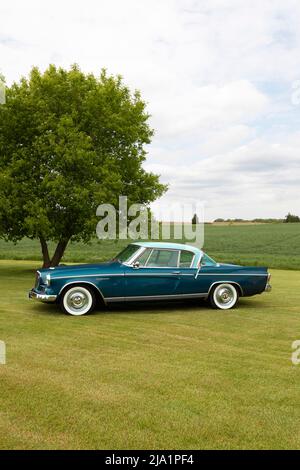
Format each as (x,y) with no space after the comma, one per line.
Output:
(78,301)
(225,296)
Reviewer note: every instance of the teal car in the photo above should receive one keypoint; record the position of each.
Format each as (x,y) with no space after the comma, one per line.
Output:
(149,271)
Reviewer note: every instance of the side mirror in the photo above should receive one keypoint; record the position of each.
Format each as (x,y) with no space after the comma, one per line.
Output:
(136,265)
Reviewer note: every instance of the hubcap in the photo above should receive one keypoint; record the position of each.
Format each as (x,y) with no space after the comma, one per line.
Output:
(78,301)
(225,296)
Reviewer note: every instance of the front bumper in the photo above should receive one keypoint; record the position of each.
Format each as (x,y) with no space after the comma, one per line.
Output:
(41,297)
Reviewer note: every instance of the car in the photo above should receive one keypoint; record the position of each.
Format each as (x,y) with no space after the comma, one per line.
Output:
(149,271)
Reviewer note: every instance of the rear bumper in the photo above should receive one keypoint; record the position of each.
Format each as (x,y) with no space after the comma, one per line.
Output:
(41,297)
(268,287)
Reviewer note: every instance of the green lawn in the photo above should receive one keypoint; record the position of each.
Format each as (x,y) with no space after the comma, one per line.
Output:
(181,376)
(275,245)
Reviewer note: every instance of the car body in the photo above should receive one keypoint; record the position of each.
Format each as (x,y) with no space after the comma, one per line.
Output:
(149,271)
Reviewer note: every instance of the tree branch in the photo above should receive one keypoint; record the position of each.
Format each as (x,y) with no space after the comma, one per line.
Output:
(59,252)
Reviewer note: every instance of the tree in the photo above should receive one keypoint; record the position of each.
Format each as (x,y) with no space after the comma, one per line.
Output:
(195,219)
(69,142)
(290,218)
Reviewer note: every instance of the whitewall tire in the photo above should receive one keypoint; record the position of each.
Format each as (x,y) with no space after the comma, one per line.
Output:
(77,300)
(224,296)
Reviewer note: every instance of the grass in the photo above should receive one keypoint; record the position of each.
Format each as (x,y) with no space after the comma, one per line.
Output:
(274,245)
(166,377)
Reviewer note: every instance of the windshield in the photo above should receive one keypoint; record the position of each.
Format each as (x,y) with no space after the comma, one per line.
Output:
(127,253)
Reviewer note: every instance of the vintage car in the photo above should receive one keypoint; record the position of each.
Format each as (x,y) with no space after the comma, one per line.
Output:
(149,271)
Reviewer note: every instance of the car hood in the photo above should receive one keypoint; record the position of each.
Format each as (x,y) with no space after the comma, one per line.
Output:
(62,270)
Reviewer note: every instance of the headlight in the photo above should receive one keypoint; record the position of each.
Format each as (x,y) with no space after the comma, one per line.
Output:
(48,279)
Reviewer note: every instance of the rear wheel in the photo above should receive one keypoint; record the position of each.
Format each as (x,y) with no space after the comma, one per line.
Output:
(224,296)
(77,300)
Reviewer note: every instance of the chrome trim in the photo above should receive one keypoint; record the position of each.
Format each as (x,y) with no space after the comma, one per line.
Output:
(226,282)
(87,275)
(156,297)
(232,274)
(42,297)
(107,275)
(140,253)
(158,274)
(135,255)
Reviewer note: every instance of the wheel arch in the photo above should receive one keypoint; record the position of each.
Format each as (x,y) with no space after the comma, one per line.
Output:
(234,283)
(98,294)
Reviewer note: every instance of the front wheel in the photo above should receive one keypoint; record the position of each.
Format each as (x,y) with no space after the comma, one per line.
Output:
(224,296)
(77,301)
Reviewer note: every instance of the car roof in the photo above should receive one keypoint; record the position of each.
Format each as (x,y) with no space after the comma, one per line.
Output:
(173,246)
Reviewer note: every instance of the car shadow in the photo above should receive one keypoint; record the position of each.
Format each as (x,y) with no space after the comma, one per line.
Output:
(155,307)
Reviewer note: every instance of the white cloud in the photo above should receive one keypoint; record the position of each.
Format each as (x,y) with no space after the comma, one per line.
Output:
(243,181)
(217,77)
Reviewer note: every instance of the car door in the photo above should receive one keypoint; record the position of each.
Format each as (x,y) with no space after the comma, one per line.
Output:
(196,280)
(156,276)
(187,273)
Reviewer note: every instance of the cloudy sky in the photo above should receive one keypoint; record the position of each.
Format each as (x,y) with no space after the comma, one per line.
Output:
(221,79)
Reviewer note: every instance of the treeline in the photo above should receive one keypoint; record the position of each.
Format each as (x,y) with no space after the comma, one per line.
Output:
(262,221)
(289,218)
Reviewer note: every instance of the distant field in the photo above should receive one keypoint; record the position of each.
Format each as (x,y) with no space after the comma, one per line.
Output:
(180,376)
(274,245)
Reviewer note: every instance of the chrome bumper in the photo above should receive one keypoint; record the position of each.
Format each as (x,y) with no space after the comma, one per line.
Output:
(41,297)
(268,287)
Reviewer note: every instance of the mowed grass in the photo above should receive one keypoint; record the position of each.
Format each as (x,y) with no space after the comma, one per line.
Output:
(165,377)
(275,245)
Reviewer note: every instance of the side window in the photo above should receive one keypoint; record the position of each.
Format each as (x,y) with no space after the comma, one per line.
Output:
(207,261)
(144,256)
(163,259)
(186,258)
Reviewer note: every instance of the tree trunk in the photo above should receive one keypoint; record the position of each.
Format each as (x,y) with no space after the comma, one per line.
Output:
(45,252)
(59,251)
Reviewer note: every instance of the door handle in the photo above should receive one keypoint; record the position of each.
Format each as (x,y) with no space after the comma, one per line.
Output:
(176,272)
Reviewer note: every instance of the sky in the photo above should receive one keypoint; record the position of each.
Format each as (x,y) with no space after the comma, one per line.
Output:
(221,79)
